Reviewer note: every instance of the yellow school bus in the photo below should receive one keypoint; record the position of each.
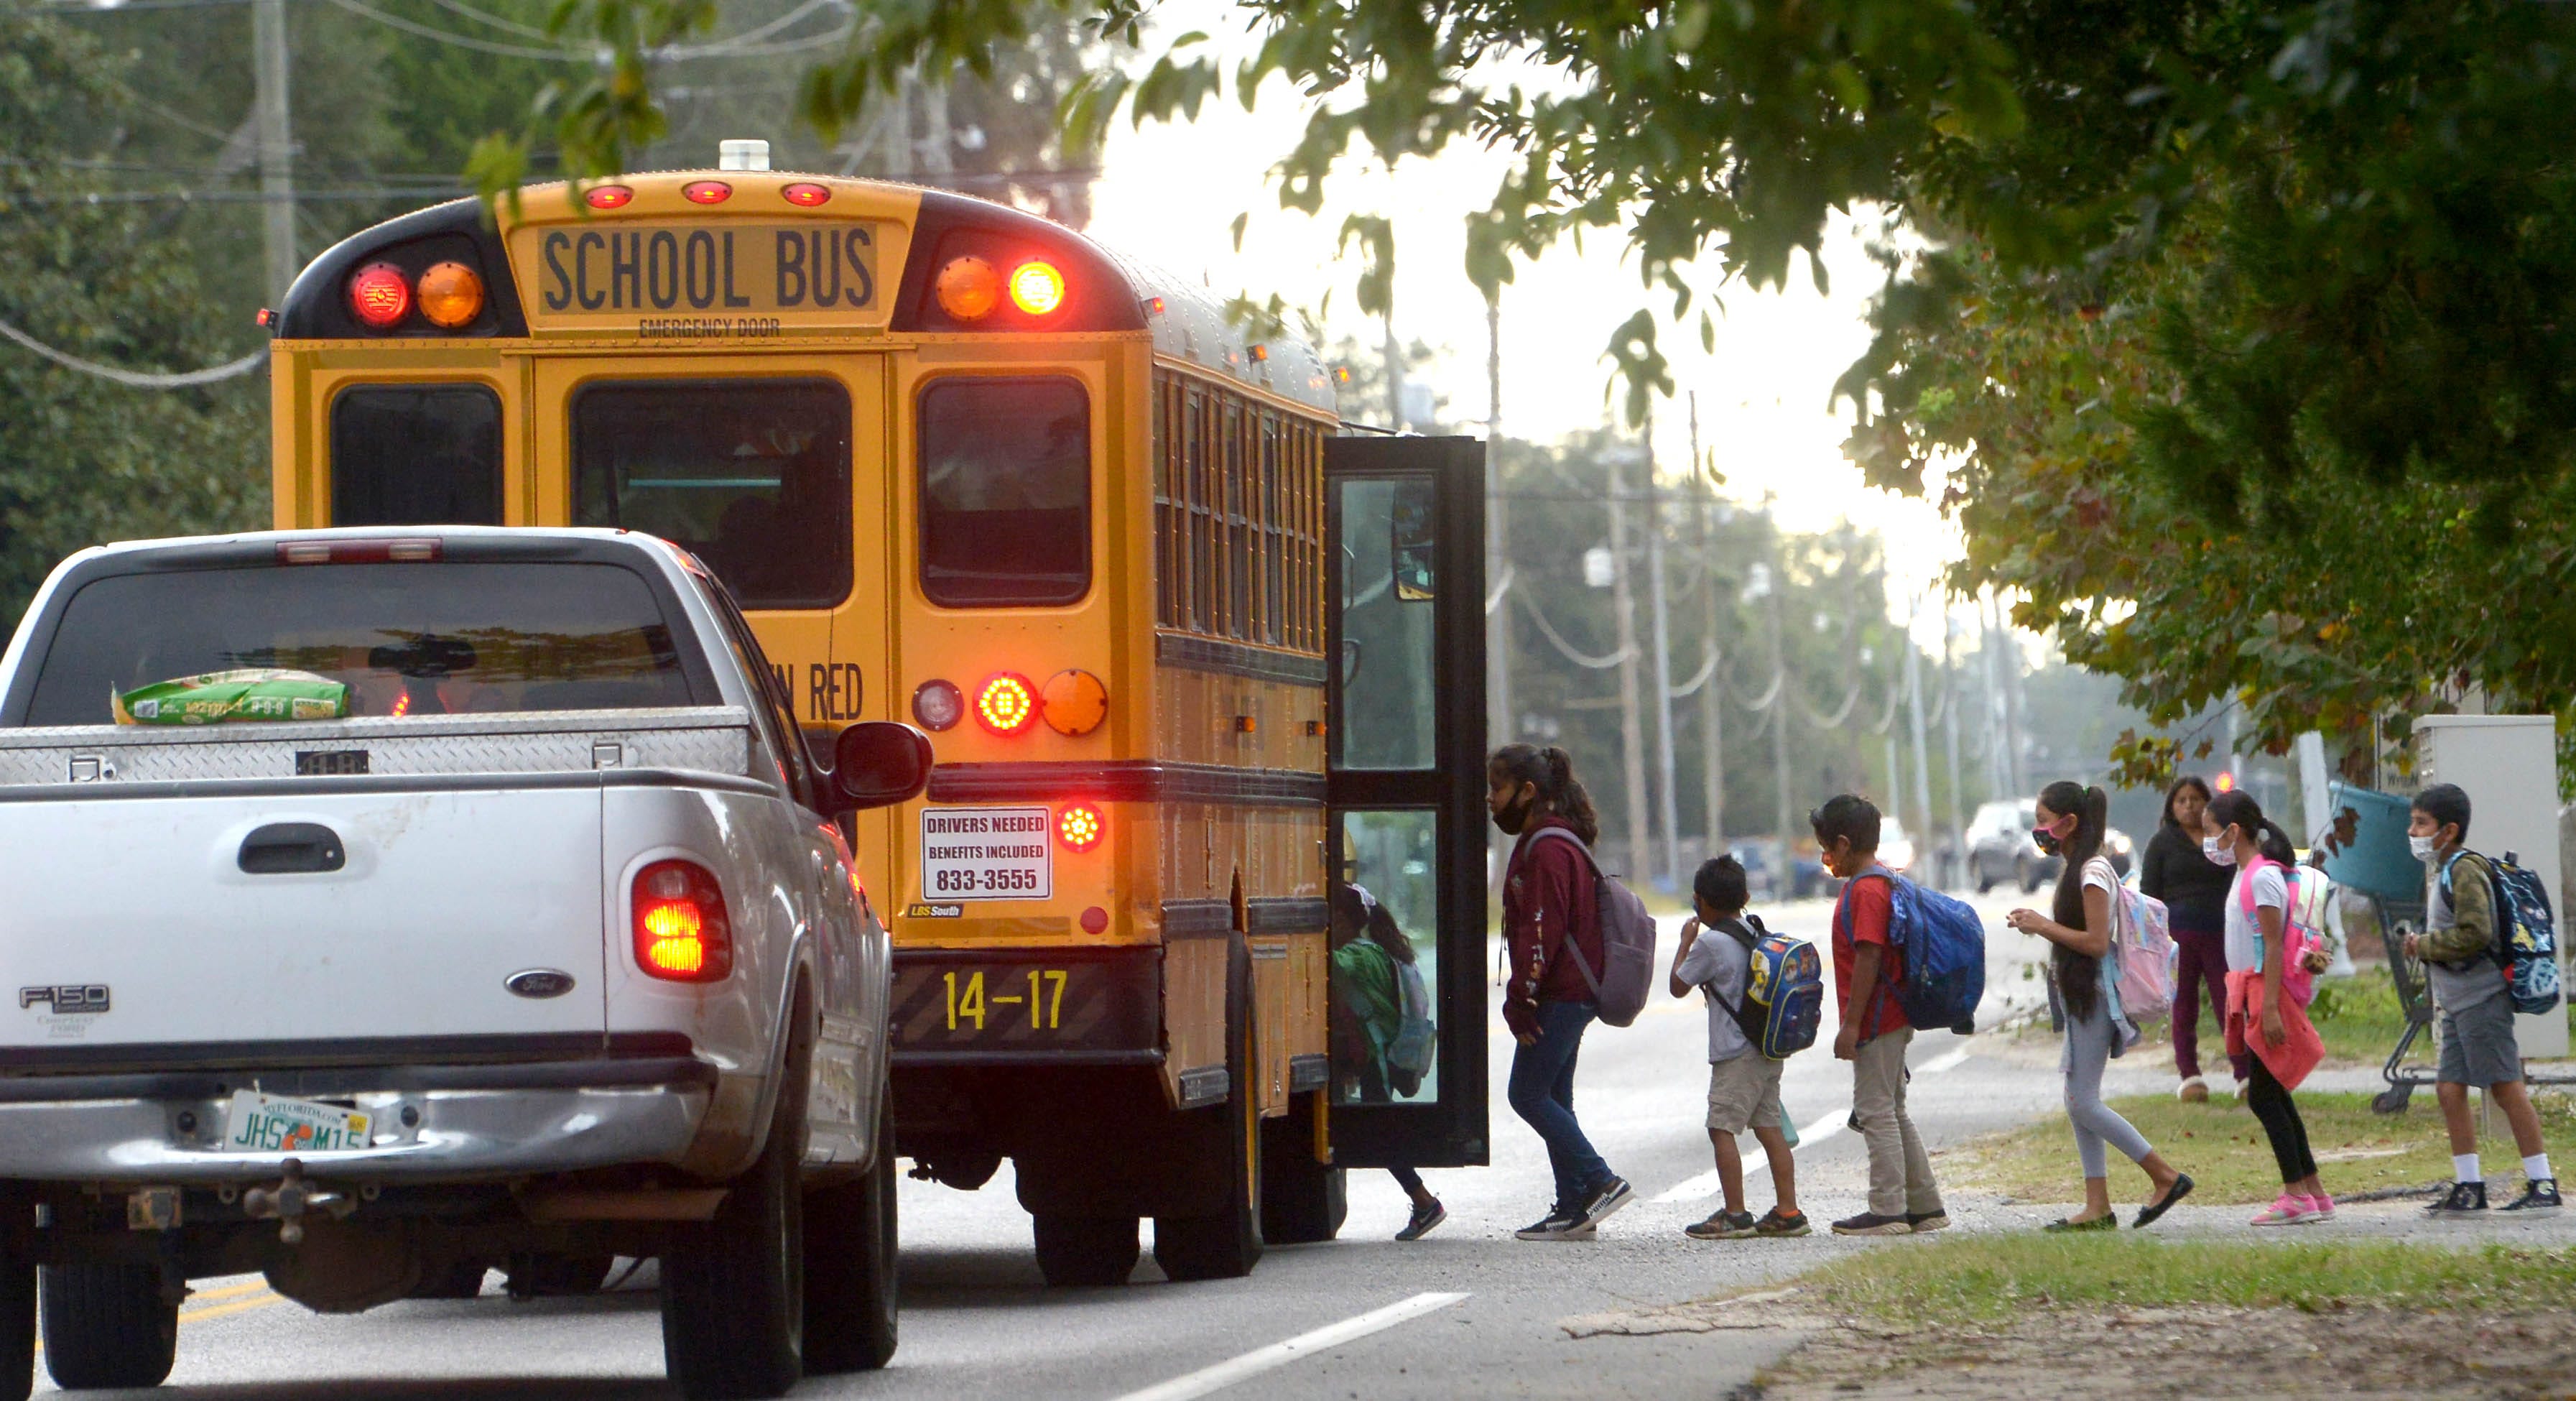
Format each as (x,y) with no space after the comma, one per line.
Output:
(1192,658)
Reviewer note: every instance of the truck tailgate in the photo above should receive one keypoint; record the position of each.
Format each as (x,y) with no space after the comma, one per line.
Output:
(222,917)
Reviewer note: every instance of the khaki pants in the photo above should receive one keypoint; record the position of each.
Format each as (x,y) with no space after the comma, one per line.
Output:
(1900,1172)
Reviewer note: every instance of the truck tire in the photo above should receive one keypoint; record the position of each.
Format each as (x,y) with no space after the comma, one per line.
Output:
(850,1266)
(107,1326)
(1085,1252)
(1227,1243)
(733,1290)
(1302,1201)
(17,1325)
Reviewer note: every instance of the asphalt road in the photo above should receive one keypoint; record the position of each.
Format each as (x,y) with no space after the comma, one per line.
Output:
(977,1322)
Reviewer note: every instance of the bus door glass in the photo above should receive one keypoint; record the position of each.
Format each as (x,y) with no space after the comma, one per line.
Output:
(1405,847)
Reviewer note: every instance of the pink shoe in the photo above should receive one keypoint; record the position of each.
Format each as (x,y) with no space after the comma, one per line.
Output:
(2289,1210)
(2321,1207)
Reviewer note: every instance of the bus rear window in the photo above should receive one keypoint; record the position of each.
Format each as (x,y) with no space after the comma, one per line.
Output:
(1005,492)
(407,639)
(752,476)
(416,454)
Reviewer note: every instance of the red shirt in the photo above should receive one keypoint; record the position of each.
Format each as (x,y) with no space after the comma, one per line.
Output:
(1549,893)
(1860,917)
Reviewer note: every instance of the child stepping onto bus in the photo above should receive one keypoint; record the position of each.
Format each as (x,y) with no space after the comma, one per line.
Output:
(1716,959)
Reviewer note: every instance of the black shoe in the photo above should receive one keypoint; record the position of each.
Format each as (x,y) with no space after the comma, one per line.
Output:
(1721,1225)
(1558,1225)
(2180,1189)
(2538,1199)
(2098,1223)
(1605,1199)
(2464,1199)
(1926,1222)
(1870,1223)
(1426,1219)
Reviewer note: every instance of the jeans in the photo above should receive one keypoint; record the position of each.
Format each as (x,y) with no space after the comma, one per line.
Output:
(1900,1172)
(2202,960)
(1542,1092)
(2088,1049)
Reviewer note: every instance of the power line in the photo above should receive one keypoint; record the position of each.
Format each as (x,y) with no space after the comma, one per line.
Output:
(132,378)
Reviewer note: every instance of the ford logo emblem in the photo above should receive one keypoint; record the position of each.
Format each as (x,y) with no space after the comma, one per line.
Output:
(539,982)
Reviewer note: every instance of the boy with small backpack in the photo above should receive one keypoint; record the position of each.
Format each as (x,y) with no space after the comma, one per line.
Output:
(1761,989)
(1870,966)
(2471,970)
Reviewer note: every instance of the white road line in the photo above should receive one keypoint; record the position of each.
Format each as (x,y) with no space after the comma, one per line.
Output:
(1279,1354)
(1705,1185)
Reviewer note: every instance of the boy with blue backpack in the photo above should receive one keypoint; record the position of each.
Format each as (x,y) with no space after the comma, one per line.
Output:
(1764,996)
(2478,976)
(1889,963)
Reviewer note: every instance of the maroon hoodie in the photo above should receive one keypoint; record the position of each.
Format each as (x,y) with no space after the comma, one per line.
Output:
(1548,893)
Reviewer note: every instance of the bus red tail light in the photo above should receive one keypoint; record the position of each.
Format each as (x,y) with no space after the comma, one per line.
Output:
(1006,704)
(681,933)
(1036,287)
(380,296)
(1080,827)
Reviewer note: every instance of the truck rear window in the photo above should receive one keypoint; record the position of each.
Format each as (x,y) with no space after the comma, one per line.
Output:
(407,639)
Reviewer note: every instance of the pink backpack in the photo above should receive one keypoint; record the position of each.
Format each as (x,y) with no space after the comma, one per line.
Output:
(2142,939)
(2297,983)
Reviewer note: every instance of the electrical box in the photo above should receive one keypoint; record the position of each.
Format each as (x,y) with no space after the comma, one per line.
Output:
(2509,766)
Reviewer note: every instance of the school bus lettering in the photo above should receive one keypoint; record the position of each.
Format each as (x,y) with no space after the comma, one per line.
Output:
(832,690)
(648,268)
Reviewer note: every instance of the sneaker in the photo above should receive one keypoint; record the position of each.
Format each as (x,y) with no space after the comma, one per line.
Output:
(1923,1221)
(1606,1198)
(2538,1199)
(2289,1209)
(1721,1225)
(1775,1224)
(1426,1219)
(2465,1199)
(1556,1225)
(2193,1091)
(1870,1223)
(2320,1207)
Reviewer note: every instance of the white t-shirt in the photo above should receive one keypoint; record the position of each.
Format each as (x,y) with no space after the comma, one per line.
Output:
(1718,959)
(2244,936)
(2100,875)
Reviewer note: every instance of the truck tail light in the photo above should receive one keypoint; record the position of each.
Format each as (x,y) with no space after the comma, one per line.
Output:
(681,933)
(1007,703)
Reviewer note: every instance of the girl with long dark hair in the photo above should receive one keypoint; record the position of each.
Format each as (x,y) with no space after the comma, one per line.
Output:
(1548,903)
(2194,889)
(2260,1019)
(2070,822)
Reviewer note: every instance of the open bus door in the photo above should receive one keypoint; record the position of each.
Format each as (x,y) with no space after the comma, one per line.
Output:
(1405,639)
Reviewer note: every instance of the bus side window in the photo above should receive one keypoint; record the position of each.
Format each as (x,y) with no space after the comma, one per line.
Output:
(416,454)
(1005,491)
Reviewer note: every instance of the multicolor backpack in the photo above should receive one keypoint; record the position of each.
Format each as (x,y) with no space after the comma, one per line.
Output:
(2297,983)
(2526,945)
(2142,936)
(1784,989)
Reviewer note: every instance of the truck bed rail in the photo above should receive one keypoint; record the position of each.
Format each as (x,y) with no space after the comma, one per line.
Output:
(705,739)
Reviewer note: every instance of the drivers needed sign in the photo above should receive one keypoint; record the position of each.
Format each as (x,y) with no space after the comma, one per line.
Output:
(707,280)
(985,854)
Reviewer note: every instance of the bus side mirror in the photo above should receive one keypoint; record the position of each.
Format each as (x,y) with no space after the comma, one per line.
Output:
(878,763)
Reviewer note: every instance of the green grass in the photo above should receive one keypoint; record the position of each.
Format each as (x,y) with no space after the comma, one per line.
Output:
(2223,1148)
(1993,1278)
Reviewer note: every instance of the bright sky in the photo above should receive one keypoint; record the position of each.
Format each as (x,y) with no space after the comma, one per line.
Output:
(1171,193)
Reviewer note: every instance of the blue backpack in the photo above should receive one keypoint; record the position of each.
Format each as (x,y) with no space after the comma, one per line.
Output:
(2526,935)
(1944,948)
(1784,990)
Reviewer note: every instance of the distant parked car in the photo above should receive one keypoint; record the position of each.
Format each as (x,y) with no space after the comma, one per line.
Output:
(2000,847)
(1895,849)
(2117,846)
(1760,857)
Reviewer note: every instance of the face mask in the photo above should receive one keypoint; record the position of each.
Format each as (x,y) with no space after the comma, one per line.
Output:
(2047,841)
(2218,854)
(2421,846)
(1513,818)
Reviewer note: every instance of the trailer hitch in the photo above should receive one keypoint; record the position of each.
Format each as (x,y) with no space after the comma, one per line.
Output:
(291,1200)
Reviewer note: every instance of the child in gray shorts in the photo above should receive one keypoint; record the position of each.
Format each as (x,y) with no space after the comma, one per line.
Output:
(1716,958)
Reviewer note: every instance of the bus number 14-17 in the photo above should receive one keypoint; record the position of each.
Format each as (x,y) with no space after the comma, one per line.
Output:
(1045,999)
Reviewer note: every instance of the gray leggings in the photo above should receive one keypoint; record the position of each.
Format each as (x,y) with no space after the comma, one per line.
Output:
(2088,1048)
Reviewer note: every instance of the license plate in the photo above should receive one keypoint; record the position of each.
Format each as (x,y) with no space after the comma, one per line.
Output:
(1002,1003)
(258,1123)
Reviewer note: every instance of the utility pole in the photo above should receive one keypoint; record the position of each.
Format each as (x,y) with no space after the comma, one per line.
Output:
(1895,779)
(1780,718)
(1914,710)
(276,144)
(1501,723)
(1632,747)
(1950,723)
(1668,807)
(1712,740)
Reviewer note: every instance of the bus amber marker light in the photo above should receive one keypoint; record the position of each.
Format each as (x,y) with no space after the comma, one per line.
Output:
(1074,702)
(451,295)
(1006,703)
(969,289)
(380,296)
(938,705)
(681,933)
(607,196)
(1037,288)
(1079,827)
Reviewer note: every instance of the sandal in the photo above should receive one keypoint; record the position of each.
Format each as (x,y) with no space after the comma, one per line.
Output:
(2181,1188)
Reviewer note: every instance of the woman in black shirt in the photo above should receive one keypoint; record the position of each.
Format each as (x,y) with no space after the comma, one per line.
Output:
(2194,889)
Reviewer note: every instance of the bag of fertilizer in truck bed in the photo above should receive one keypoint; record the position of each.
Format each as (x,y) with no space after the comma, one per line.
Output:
(222,696)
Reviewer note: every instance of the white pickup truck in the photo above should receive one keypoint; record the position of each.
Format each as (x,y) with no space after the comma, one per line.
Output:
(551,950)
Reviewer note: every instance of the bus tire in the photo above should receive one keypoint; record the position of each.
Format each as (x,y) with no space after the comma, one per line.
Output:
(1226,1244)
(733,1305)
(17,1322)
(107,1325)
(1085,1252)
(851,1265)
(1302,1201)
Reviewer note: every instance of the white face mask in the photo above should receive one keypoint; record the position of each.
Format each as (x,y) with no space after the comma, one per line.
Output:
(2421,846)
(2219,853)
